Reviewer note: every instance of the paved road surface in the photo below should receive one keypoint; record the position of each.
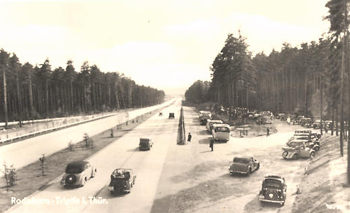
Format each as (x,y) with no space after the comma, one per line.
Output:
(121,153)
(27,151)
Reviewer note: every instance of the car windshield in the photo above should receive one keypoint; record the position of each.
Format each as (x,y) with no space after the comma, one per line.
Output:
(241,160)
(222,129)
(270,183)
(294,144)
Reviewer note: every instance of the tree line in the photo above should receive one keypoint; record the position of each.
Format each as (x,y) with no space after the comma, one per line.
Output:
(311,80)
(40,91)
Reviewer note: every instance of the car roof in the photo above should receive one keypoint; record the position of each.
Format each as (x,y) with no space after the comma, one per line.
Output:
(275,177)
(221,125)
(78,163)
(123,169)
(243,157)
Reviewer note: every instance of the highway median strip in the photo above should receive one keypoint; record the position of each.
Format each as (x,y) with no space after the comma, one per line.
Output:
(31,179)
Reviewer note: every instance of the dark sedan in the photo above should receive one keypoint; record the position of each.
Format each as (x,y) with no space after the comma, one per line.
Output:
(244,165)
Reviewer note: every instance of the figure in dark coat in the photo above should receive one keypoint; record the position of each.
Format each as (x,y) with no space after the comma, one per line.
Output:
(211,145)
(189,137)
(267,131)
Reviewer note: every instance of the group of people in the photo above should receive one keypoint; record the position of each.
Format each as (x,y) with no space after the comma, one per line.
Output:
(211,144)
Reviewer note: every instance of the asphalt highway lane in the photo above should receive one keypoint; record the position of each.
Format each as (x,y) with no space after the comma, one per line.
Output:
(27,151)
(94,196)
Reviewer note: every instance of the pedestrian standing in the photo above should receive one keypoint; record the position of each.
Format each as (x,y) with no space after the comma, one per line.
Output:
(267,132)
(211,145)
(189,137)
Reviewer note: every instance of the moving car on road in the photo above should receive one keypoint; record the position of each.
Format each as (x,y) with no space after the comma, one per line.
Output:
(122,180)
(145,143)
(274,190)
(244,165)
(171,115)
(77,173)
(221,132)
(297,149)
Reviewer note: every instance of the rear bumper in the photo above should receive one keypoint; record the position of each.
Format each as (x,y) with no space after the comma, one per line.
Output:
(237,172)
(271,201)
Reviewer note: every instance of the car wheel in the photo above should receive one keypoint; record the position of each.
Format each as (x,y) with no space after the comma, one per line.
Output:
(317,148)
(71,179)
(282,204)
(295,156)
(258,167)
(93,173)
(83,182)
(285,154)
(312,154)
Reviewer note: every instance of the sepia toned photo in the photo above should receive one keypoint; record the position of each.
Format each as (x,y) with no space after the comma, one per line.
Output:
(175,106)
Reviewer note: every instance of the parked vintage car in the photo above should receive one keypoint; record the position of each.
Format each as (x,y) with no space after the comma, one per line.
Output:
(274,190)
(77,173)
(317,124)
(306,122)
(300,140)
(204,116)
(296,150)
(122,180)
(297,120)
(210,124)
(145,143)
(171,115)
(244,165)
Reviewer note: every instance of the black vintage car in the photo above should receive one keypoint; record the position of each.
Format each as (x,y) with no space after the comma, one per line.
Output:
(274,190)
(171,115)
(145,144)
(77,173)
(122,180)
(244,165)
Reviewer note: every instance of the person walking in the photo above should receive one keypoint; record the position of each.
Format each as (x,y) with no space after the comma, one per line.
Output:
(189,137)
(267,132)
(211,145)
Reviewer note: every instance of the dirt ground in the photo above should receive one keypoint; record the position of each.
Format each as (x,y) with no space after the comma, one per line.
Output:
(195,179)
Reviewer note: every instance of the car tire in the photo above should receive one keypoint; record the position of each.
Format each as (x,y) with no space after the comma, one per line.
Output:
(285,154)
(317,148)
(258,167)
(282,204)
(312,154)
(83,182)
(295,156)
(71,179)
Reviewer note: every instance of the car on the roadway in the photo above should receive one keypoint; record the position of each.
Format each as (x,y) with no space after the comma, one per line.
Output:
(298,149)
(244,165)
(171,115)
(122,180)
(145,143)
(78,173)
(273,190)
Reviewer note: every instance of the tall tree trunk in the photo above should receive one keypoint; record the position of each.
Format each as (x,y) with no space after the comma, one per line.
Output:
(5,96)
(19,99)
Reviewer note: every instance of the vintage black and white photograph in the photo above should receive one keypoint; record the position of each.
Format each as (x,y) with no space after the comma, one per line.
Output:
(175,106)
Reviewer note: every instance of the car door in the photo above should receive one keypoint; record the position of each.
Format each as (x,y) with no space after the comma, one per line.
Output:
(304,151)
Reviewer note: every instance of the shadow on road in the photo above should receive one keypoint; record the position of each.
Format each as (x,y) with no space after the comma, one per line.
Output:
(203,132)
(204,140)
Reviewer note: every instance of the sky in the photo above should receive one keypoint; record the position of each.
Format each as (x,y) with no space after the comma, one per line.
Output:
(165,44)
